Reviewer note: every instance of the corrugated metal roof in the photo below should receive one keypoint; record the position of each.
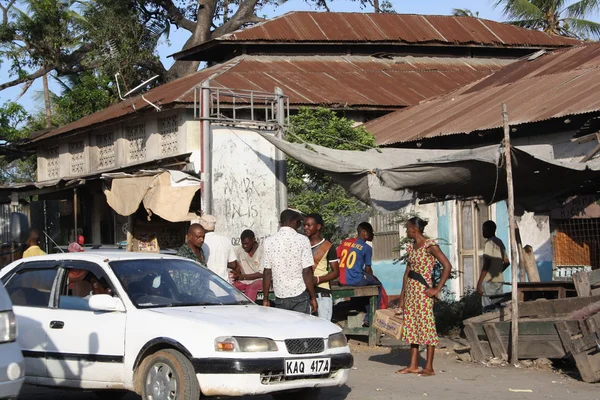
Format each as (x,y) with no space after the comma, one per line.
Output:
(351,81)
(301,26)
(557,84)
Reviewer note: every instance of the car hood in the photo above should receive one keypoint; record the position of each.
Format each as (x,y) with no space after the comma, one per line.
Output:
(253,320)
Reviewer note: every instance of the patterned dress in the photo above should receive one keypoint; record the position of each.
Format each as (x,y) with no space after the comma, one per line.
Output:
(419,323)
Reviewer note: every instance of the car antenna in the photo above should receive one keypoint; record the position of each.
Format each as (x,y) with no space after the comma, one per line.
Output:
(53,242)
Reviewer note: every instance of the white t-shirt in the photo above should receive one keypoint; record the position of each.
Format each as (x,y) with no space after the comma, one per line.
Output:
(218,252)
(287,253)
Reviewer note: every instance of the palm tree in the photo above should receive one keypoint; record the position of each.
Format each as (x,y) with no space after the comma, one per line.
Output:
(464,12)
(556,17)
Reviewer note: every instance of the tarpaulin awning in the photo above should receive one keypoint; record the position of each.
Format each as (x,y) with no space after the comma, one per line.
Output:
(390,179)
(165,193)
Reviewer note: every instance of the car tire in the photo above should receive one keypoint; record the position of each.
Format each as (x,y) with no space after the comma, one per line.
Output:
(167,375)
(302,394)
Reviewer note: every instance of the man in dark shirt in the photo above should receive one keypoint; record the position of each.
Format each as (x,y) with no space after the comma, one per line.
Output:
(192,248)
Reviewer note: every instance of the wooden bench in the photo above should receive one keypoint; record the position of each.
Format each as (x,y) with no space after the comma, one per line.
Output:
(343,292)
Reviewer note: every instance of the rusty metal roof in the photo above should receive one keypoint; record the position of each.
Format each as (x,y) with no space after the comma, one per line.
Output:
(411,29)
(333,81)
(554,85)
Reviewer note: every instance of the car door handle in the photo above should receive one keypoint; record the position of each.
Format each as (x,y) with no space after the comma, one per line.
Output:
(57,324)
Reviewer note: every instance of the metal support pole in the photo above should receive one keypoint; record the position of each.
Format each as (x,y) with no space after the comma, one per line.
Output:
(281,169)
(75,211)
(206,150)
(514,353)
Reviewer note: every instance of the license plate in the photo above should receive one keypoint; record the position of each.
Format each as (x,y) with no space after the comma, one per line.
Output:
(307,366)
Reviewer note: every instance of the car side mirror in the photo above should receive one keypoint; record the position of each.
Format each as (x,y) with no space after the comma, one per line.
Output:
(19,227)
(105,302)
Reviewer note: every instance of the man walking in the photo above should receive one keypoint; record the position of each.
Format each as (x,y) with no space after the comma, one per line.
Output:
(289,263)
(192,248)
(495,261)
(250,272)
(218,249)
(326,265)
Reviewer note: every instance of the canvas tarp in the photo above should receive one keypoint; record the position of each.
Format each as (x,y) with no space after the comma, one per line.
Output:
(389,179)
(167,194)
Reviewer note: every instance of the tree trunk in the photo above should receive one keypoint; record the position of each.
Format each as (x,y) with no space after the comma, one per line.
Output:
(47,101)
(376,6)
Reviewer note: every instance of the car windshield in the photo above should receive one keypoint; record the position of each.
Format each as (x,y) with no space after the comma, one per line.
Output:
(173,283)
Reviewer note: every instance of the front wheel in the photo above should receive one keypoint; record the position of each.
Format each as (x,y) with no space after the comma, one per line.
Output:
(168,375)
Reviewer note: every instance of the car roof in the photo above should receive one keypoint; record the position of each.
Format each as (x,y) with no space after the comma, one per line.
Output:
(102,256)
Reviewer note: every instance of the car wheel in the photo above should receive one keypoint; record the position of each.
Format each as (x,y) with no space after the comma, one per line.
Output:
(302,394)
(168,375)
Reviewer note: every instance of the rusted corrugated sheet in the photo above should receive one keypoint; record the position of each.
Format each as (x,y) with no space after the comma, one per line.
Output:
(351,81)
(557,84)
(401,28)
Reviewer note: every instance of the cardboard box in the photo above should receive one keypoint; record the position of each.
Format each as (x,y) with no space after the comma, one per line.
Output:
(389,323)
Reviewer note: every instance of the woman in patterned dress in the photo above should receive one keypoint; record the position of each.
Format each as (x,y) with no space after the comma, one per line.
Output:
(416,300)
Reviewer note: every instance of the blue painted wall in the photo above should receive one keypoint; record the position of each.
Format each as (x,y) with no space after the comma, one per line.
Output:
(390,275)
(502,229)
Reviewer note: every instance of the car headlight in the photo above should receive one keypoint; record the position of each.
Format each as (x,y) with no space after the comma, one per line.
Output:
(8,327)
(337,340)
(244,344)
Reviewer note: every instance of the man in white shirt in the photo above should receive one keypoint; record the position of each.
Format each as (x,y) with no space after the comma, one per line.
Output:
(217,249)
(288,261)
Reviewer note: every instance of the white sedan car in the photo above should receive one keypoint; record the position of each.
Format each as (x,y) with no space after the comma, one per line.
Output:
(164,327)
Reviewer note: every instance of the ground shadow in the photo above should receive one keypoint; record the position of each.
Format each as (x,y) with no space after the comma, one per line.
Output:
(398,356)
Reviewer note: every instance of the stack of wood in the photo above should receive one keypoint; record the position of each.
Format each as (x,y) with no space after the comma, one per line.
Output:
(580,335)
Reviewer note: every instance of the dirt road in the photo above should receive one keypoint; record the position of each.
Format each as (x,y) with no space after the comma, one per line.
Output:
(374,378)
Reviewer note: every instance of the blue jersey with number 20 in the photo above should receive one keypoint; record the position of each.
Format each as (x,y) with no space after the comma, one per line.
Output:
(353,254)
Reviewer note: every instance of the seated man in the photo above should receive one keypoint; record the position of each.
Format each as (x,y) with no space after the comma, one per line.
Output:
(355,263)
(249,272)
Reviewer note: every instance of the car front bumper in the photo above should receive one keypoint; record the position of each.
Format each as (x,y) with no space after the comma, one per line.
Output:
(240,376)
(12,370)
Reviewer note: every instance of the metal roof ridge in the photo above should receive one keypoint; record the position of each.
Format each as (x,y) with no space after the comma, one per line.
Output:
(220,69)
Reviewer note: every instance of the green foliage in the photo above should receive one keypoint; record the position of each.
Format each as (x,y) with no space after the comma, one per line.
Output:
(12,115)
(553,16)
(464,12)
(450,314)
(310,190)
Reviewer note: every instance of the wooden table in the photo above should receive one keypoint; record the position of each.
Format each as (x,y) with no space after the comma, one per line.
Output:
(528,291)
(342,292)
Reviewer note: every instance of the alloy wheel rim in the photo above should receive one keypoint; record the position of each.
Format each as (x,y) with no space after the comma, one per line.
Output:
(161,383)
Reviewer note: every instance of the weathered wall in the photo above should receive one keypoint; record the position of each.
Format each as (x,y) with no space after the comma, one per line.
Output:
(244,185)
(535,231)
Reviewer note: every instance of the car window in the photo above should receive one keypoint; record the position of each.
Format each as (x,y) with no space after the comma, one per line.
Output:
(31,285)
(173,283)
(81,281)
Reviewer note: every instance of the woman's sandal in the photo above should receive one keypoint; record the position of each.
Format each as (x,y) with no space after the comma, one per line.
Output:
(406,370)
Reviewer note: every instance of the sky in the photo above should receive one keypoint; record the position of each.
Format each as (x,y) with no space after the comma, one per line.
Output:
(32,100)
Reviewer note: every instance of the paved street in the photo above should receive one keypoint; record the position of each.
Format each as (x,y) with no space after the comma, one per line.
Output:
(374,378)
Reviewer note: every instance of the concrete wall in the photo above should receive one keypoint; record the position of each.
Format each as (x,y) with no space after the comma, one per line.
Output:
(244,185)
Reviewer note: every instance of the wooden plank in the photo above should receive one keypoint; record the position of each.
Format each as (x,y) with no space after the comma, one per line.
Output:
(554,308)
(496,342)
(581,359)
(585,343)
(476,350)
(357,331)
(565,336)
(372,330)
(594,277)
(582,284)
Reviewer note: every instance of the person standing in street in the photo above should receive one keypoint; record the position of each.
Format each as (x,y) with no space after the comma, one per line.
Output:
(495,261)
(250,272)
(192,248)
(326,265)
(418,293)
(220,256)
(33,243)
(288,262)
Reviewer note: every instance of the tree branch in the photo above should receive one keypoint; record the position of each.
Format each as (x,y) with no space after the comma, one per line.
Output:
(244,15)
(175,14)
(5,11)
(31,77)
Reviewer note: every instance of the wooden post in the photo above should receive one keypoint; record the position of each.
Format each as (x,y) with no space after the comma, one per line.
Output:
(75,211)
(514,345)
